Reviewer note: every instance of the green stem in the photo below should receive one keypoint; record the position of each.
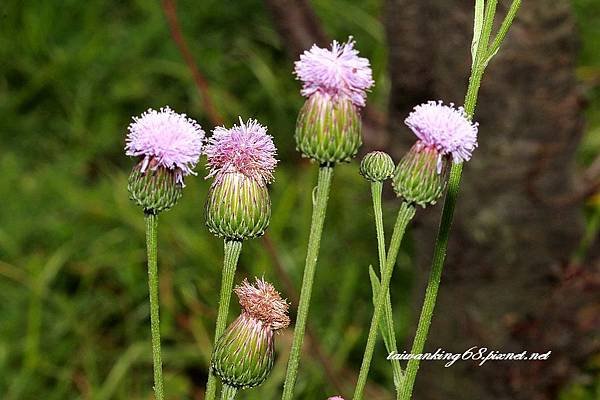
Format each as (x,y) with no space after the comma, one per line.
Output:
(434,280)
(314,241)
(488,24)
(406,213)
(439,252)
(228,392)
(376,189)
(485,52)
(232,251)
(388,317)
(151,245)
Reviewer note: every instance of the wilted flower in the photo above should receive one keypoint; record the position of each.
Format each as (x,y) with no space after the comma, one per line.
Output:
(243,356)
(335,81)
(241,160)
(169,146)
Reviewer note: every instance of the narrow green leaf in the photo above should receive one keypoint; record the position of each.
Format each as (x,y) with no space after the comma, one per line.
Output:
(508,20)
(477,28)
(374,282)
(486,31)
(386,326)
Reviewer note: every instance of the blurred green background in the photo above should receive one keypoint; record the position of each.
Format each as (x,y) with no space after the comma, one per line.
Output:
(74,317)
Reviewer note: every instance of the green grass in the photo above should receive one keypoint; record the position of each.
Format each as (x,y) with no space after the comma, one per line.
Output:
(74,316)
(73,292)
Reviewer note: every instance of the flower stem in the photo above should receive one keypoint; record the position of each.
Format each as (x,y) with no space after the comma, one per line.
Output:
(405,214)
(228,392)
(151,246)
(434,280)
(387,325)
(232,251)
(485,52)
(314,241)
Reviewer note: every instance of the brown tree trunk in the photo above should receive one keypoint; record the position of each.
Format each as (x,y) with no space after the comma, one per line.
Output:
(299,28)
(297,25)
(510,231)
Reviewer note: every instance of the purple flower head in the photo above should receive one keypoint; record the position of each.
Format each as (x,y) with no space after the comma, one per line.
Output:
(246,149)
(336,398)
(445,128)
(337,72)
(165,139)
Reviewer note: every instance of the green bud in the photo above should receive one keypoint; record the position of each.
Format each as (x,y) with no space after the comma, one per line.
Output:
(243,356)
(420,177)
(154,190)
(377,166)
(238,207)
(327,130)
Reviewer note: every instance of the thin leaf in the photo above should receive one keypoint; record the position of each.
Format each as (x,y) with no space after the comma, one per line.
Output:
(477,28)
(486,31)
(508,20)
(386,326)
(375,285)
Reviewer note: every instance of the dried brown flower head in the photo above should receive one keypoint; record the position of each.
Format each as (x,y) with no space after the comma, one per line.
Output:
(263,302)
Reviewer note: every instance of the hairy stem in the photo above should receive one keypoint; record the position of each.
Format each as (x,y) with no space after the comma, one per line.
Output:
(387,325)
(314,241)
(151,246)
(228,392)
(233,248)
(406,213)
(485,52)
(439,252)
(434,281)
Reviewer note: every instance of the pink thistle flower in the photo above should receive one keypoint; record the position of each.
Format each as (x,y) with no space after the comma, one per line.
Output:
(262,302)
(165,139)
(246,149)
(336,398)
(337,72)
(445,128)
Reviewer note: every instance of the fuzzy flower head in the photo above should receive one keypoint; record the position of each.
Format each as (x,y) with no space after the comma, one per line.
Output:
(337,72)
(245,148)
(165,139)
(336,398)
(263,302)
(445,128)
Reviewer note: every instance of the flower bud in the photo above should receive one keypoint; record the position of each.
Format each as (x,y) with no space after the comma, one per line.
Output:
(328,130)
(420,177)
(154,189)
(243,356)
(377,166)
(238,207)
